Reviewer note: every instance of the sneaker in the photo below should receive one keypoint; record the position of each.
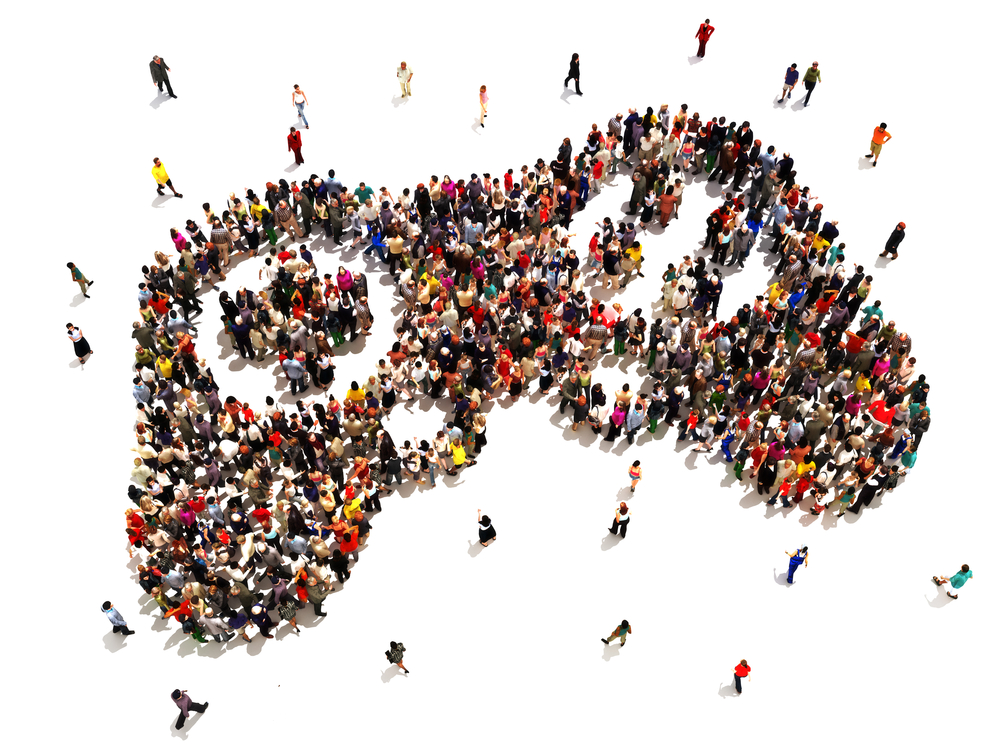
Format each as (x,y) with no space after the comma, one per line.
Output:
(604,640)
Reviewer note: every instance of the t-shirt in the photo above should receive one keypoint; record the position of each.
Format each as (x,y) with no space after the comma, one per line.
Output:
(742,671)
(791,76)
(958,580)
(880,136)
(160,173)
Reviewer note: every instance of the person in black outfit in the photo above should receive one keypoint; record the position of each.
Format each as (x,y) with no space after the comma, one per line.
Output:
(574,73)
(158,69)
(892,245)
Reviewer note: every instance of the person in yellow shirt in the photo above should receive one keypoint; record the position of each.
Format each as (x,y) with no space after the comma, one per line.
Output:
(355,394)
(879,138)
(634,255)
(162,178)
(458,457)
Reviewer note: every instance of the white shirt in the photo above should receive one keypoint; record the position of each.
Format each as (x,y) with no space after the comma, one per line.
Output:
(404,74)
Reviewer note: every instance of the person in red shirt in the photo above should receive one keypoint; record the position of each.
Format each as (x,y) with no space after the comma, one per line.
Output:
(295,144)
(740,671)
(705,32)
(349,546)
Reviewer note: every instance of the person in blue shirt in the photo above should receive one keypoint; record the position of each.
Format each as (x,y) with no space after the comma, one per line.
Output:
(796,559)
(118,622)
(791,78)
(955,582)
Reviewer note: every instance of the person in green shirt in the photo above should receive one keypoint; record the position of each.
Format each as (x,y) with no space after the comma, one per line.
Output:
(809,80)
(363,193)
(79,278)
(955,582)
(620,632)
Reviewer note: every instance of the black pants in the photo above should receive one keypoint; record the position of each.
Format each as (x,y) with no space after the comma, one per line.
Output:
(245,347)
(810,85)
(576,80)
(123,629)
(166,81)
(623,526)
(318,608)
(739,687)
(196,707)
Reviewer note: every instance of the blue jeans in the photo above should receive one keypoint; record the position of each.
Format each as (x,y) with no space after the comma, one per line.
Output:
(301,107)
(430,470)
(791,570)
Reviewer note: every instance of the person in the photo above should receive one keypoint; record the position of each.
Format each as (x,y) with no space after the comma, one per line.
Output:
(162,178)
(704,33)
(620,633)
(483,101)
(621,521)
(487,533)
(300,100)
(80,345)
(186,705)
(395,652)
(809,80)
(955,582)
(635,474)
(795,559)
(404,75)
(740,671)
(158,69)
(892,244)
(574,73)
(791,78)
(77,275)
(879,138)
(295,144)
(117,621)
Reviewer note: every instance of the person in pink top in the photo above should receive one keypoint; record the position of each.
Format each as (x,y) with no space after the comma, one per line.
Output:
(483,101)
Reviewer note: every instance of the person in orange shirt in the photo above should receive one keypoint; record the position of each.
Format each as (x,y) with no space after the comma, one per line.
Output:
(879,138)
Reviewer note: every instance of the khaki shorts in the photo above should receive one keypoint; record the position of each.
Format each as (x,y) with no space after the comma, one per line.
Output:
(876,148)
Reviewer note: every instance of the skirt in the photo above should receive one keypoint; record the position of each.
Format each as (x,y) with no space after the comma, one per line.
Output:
(486,534)
(81,347)
(647,214)
(326,375)
(388,400)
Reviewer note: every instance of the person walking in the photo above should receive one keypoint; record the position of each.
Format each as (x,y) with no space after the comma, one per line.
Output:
(796,559)
(635,474)
(809,80)
(158,69)
(955,582)
(880,137)
(117,621)
(186,705)
(295,144)
(705,32)
(574,73)
(300,100)
(395,655)
(77,275)
(791,78)
(80,345)
(483,101)
(892,244)
(620,632)
(404,75)
(162,178)
(487,533)
(740,671)
(621,521)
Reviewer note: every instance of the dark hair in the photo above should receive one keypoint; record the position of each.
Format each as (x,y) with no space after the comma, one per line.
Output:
(624,623)
(176,694)
(965,568)
(804,549)
(882,125)
(107,605)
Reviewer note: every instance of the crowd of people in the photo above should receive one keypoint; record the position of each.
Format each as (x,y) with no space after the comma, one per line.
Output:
(248,513)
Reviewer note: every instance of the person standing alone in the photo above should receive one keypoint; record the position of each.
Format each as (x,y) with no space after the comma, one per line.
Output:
(574,74)
(705,32)
(295,144)
(892,244)
(740,671)
(483,101)
(880,137)
(162,178)
(117,621)
(158,69)
(621,521)
(796,559)
(809,80)
(80,279)
(620,632)
(300,100)
(186,705)
(403,75)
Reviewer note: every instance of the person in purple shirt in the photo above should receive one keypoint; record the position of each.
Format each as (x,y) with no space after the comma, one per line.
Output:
(791,78)
(186,705)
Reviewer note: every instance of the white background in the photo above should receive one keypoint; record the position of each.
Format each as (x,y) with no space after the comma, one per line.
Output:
(503,645)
